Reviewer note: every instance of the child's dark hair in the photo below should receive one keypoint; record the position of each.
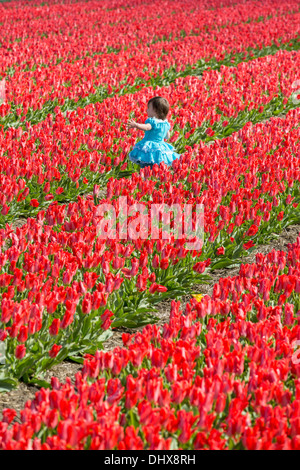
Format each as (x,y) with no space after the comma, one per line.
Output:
(161,106)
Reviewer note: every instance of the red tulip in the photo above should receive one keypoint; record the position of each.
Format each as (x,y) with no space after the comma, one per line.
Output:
(54,328)
(280,215)
(55,350)
(8,415)
(34,203)
(248,245)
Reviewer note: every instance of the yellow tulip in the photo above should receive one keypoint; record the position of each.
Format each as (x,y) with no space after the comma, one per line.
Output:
(198,297)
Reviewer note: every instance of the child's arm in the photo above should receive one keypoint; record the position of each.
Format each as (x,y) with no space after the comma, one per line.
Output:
(168,135)
(142,127)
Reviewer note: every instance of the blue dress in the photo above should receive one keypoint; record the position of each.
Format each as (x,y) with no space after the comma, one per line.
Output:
(152,148)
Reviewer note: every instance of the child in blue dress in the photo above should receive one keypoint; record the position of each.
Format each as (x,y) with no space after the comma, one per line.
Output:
(152,148)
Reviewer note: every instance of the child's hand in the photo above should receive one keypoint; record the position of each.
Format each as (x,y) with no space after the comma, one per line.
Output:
(131,124)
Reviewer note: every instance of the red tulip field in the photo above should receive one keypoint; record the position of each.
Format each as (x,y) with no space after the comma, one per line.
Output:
(93,247)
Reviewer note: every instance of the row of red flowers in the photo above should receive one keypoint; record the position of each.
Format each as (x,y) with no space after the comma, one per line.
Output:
(42,35)
(31,89)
